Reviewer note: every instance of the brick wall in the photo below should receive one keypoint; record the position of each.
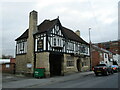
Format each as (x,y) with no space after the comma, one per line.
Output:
(8,68)
(12,60)
(95,58)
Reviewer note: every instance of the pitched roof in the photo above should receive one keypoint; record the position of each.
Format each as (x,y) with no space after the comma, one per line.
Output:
(73,36)
(24,35)
(46,25)
(100,49)
(43,27)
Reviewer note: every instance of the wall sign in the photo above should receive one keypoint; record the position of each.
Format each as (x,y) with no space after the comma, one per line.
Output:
(29,65)
(40,45)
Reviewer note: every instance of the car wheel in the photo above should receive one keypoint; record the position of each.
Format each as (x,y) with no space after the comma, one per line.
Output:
(106,73)
(112,72)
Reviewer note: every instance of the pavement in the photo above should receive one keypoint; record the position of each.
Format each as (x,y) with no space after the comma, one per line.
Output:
(13,81)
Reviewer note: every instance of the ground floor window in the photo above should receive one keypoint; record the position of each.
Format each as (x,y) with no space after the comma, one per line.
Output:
(84,64)
(70,63)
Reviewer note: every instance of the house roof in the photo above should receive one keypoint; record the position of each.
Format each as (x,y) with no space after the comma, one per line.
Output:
(43,27)
(73,36)
(100,49)
(23,36)
(46,25)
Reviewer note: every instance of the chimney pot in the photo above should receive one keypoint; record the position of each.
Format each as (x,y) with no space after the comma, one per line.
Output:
(78,32)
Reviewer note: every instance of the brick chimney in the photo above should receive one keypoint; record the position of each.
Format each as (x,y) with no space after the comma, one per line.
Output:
(78,32)
(30,40)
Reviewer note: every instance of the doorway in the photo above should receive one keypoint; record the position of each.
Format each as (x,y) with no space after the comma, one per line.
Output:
(55,60)
(78,65)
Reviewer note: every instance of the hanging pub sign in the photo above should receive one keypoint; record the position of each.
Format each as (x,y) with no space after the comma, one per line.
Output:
(40,45)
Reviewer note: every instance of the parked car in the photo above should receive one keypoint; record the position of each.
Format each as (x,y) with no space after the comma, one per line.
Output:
(119,68)
(115,68)
(102,69)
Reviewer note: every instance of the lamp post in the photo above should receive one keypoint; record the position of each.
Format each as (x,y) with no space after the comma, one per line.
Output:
(90,50)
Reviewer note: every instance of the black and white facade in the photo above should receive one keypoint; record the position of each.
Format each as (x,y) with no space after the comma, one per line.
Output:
(55,41)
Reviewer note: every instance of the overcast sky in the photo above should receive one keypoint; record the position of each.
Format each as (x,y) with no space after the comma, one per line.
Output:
(100,15)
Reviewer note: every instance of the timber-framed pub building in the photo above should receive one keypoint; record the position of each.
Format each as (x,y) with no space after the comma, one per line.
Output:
(50,45)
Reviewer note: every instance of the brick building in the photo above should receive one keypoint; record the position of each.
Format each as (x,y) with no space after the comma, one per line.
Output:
(100,55)
(8,67)
(50,45)
(112,46)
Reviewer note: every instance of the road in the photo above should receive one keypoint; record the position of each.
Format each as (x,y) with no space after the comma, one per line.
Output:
(90,81)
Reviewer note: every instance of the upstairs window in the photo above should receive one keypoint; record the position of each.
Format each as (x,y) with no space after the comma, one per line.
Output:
(54,41)
(21,47)
(82,49)
(105,55)
(57,41)
(70,46)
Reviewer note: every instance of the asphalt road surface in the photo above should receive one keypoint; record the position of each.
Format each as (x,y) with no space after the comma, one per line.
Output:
(90,81)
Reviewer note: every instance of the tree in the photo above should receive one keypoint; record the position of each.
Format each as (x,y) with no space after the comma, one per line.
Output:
(6,56)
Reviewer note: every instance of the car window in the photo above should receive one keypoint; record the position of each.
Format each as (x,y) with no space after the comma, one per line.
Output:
(114,66)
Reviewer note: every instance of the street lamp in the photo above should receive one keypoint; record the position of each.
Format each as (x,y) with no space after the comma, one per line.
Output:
(90,50)
(89,35)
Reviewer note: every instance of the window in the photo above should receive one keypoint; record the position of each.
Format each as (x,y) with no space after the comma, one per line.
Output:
(7,65)
(54,41)
(86,50)
(105,55)
(58,41)
(82,49)
(70,46)
(70,61)
(76,47)
(21,47)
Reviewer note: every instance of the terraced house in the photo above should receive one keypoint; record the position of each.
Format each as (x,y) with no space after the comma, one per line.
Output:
(50,45)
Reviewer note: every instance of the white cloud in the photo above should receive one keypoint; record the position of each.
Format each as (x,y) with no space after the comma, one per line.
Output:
(109,20)
(44,3)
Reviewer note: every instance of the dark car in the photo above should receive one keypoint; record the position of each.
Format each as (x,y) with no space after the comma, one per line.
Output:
(119,68)
(102,69)
(115,68)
